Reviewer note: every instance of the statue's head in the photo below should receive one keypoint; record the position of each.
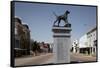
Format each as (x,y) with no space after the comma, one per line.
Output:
(67,12)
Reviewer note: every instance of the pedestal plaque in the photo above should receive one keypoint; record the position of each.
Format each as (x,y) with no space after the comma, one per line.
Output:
(62,43)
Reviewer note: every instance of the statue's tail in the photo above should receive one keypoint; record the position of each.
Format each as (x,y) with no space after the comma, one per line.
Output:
(55,14)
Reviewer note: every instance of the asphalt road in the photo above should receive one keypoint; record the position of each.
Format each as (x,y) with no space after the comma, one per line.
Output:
(75,57)
(34,60)
(48,58)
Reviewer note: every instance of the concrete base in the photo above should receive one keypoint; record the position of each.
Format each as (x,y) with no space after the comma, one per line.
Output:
(62,43)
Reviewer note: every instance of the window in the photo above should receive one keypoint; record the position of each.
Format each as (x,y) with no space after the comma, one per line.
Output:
(16,31)
(17,44)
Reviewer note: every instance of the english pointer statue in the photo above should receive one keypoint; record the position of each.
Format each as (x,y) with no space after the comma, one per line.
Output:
(63,17)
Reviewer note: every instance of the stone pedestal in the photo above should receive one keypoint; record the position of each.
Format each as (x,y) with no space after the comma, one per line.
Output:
(62,43)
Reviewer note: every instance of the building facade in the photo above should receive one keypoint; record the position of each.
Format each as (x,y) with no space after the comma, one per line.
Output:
(88,42)
(83,46)
(92,40)
(22,38)
(75,46)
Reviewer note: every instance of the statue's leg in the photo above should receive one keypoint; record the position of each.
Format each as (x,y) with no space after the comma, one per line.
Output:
(55,22)
(66,21)
(58,22)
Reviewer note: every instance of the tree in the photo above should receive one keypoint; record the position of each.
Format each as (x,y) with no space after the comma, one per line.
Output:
(48,47)
(34,46)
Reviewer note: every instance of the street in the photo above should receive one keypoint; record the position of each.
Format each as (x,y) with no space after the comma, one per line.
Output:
(76,57)
(34,60)
(48,58)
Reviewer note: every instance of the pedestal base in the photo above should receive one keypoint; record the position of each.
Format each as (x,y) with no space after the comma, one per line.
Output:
(61,50)
(62,43)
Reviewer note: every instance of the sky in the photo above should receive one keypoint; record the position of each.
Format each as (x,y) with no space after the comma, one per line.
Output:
(40,19)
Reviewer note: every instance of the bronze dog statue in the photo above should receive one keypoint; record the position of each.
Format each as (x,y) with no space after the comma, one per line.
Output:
(63,17)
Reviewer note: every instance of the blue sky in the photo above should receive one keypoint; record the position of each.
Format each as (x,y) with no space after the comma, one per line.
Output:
(40,18)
